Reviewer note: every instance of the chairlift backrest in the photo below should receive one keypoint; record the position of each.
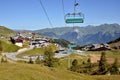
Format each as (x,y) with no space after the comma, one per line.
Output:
(74,18)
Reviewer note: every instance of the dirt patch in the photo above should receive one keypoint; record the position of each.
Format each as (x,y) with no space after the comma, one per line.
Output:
(110,60)
(96,57)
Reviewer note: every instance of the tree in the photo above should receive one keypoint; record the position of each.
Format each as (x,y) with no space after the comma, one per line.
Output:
(83,62)
(75,62)
(1,46)
(114,69)
(3,59)
(49,59)
(102,64)
(89,64)
(30,61)
(12,40)
(74,65)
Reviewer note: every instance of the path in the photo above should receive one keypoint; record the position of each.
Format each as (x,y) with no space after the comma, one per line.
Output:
(12,55)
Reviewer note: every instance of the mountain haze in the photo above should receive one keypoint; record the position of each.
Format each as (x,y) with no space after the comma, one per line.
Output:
(84,35)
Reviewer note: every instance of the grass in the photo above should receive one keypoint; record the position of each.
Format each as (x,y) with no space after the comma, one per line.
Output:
(106,77)
(8,47)
(64,61)
(38,50)
(109,53)
(22,71)
(36,72)
(115,43)
(5,32)
(26,45)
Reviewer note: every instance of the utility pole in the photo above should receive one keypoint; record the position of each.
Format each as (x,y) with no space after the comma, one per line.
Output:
(70,51)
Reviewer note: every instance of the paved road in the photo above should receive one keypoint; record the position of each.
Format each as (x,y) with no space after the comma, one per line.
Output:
(12,55)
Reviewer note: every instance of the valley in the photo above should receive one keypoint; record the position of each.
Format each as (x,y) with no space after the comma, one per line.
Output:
(18,61)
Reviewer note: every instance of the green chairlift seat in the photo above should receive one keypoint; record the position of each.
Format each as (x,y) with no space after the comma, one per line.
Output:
(74,18)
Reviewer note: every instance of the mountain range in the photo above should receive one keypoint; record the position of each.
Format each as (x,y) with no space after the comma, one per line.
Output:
(80,35)
(84,35)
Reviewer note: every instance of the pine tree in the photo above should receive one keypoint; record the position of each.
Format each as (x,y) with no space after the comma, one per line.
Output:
(1,46)
(89,64)
(102,64)
(49,59)
(3,59)
(74,65)
(30,61)
(83,62)
(75,62)
(114,69)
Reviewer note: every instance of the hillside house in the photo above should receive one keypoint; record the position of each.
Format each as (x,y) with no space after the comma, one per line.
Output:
(97,47)
(17,40)
(39,42)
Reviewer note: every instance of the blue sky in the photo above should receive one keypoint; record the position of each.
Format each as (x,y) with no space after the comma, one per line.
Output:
(28,14)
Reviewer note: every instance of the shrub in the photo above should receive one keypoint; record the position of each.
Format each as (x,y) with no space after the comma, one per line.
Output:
(114,68)
(102,64)
(49,59)
(30,61)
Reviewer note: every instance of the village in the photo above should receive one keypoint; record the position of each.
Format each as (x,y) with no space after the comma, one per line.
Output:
(36,41)
(59,40)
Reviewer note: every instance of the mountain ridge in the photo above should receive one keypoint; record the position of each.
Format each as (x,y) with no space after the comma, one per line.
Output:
(5,32)
(84,35)
(80,35)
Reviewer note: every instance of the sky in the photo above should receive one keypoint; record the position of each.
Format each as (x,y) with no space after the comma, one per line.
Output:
(29,15)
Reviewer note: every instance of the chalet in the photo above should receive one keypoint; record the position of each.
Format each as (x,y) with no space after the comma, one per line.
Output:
(88,47)
(101,47)
(17,40)
(97,47)
(39,42)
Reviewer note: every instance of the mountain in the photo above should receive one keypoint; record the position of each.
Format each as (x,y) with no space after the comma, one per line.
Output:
(5,32)
(22,30)
(84,35)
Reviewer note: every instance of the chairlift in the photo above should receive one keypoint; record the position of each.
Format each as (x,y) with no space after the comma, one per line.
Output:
(74,18)
(71,45)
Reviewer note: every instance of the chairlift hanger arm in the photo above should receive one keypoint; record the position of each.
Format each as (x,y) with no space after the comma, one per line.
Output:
(75,17)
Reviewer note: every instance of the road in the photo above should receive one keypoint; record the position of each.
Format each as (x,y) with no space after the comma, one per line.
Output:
(12,55)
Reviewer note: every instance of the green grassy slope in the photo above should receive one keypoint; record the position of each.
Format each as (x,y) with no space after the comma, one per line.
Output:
(114,42)
(5,32)
(37,72)
(64,61)
(7,47)
(109,54)
(38,50)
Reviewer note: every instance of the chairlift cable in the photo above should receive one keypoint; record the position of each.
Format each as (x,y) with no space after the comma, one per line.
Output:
(74,13)
(46,13)
(63,8)
(73,19)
